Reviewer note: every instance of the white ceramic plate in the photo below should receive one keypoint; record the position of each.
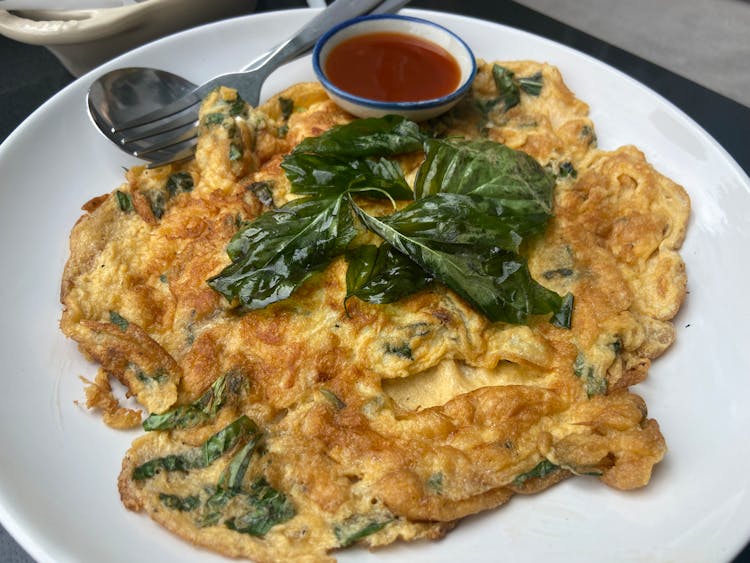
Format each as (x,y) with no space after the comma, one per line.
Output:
(58,493)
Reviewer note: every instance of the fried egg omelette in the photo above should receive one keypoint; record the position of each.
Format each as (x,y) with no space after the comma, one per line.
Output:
(290,431)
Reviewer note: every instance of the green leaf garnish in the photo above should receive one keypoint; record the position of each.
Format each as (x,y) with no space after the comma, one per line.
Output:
(157,200)
(558,273)
(235,151)
(483,167)
(435,483)
(203,409)
(382,274)
(230,483)
(124,202)
(542,469)
(477,201)
(117,319)
(564,315)
(181,504)
(533,84)
(402,350)
(266,507)
(215,118)
(238,107)
(278,251)
(507,87)
(326,175)
(457,222)
(593,383)
(202,456)
(263,191)
(384,136)
(359,526)
(496,282)
(179,182)
(233,475)
(158,376)
(287,107)
(566,170)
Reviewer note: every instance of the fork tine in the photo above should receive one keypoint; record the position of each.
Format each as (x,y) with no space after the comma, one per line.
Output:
(170,157)
(178,106)
(173,144)
(189,120)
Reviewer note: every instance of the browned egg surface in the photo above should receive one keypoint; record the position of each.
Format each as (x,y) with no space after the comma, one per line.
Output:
(372,423)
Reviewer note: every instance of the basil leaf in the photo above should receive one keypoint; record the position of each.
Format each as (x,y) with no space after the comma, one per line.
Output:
(402,350)
(278,251)
(566,169)
(564,315)
(210,119)
(202,456)
(434,483)
(179,182)
(238,107)
(384,136)
(359,526)
(224,111)
(123,201)
(495,282)
(193,414)
(533,84)
(486,168)
(468,221)
(263,191)
(477,201)
(327,175)
(381,274)
(507,88)
(235,151)
(232,477)
(287,107)
(230,483)
(181,504)
(267,507)
(541,469)
(117,319)
(594,382)
(157,200)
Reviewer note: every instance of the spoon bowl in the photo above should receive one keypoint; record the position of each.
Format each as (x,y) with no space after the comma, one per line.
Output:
(125,94)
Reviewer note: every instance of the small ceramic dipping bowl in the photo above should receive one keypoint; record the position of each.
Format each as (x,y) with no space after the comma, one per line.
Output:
(390,64)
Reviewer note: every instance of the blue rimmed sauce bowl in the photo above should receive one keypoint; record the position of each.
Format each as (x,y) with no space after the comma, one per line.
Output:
(391,64)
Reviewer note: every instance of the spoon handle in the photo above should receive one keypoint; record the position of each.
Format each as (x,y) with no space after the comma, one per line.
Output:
(305,38)
(390,7)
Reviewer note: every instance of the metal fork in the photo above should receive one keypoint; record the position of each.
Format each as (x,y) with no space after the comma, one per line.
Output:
(170,133)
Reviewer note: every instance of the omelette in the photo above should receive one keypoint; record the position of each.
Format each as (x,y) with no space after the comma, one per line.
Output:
(289,413)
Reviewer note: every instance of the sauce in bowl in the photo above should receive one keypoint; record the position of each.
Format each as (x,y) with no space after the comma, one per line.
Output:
(388,64)
(392,67)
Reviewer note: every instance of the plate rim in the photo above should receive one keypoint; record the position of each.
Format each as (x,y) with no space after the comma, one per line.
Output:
(24,536)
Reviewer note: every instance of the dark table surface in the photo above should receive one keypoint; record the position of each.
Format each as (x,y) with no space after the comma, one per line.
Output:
(30,75)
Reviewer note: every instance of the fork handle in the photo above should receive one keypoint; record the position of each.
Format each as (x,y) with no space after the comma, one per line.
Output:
(305,38)
(389,7)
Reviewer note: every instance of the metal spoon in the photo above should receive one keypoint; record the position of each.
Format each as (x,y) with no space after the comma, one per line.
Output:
(122,95)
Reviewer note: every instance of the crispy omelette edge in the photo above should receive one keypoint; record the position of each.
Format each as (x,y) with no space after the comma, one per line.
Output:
(114,348)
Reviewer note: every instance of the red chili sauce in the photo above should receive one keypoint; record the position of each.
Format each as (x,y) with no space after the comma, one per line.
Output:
(392,67)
